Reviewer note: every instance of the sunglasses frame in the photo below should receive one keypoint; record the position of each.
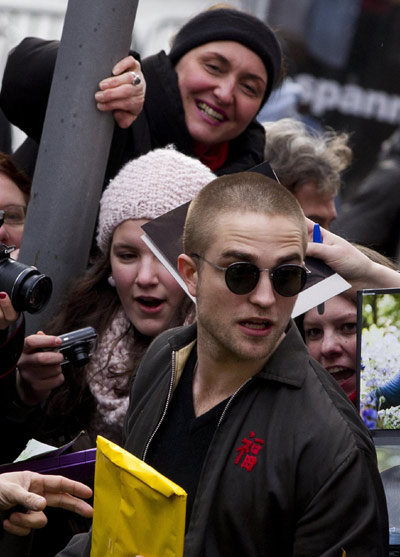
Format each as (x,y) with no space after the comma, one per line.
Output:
(258,271)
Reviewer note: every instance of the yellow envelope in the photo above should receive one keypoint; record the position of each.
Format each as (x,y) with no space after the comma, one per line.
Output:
(137,511)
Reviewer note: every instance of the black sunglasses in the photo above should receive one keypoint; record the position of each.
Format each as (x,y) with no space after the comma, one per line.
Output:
(242,277)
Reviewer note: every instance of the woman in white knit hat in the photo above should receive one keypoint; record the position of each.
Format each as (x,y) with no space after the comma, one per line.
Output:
(128,296)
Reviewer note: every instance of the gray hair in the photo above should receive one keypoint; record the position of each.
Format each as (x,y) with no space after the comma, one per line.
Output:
(299,155)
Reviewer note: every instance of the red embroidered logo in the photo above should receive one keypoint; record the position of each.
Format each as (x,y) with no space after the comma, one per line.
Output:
(249,450)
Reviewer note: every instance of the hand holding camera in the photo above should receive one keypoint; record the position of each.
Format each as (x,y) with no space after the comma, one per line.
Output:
(39,367)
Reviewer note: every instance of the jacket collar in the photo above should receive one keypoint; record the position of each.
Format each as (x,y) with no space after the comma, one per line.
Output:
(182,336)
(287,364)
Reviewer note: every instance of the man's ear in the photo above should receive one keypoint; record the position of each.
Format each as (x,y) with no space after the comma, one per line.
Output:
(188,271)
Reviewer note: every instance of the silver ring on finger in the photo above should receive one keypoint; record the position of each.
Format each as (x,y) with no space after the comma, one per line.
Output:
(136,78)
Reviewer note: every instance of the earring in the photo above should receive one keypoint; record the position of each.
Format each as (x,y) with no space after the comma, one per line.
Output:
(111,281)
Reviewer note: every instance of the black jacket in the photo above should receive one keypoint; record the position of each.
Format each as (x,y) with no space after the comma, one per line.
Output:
(26,86)
(311,489)
(11,345)
(13,412)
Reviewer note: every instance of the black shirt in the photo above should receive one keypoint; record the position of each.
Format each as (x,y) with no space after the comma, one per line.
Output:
(180,445)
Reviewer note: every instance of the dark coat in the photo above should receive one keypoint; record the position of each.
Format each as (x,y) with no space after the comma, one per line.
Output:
(312,488)
(11,345)
(13,412)
(26,86)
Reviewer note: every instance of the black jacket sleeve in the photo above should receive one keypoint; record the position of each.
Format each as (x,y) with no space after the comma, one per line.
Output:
(25,92)
(26,84)
(79,546)
(14,414)
(11,345)
(335,523)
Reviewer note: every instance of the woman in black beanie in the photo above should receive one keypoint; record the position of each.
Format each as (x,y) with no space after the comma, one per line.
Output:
(203,96)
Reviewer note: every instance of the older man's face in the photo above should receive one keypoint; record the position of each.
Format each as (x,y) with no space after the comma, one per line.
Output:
(249,326)
(317,206)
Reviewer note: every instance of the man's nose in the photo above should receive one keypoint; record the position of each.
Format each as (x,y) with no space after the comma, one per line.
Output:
(263,294)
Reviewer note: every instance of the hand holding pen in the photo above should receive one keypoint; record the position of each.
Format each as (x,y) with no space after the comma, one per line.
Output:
(348,261)
(317,238)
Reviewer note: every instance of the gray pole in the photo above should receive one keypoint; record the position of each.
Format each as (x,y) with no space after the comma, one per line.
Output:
(75,145)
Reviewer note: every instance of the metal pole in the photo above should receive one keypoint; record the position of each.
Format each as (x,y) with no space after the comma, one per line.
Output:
(75,145)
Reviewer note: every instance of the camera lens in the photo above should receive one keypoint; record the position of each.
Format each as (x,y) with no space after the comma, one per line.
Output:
(28,289)
(78,354)
(35,291)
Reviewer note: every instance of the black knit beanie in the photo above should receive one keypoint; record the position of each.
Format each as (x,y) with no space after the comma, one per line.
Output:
(231,25)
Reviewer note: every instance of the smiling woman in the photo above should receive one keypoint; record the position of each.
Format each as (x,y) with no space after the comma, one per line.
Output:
(222,85)
(203,96)
(227,63)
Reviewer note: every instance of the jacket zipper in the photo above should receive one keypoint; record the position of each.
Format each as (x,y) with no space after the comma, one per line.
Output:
(230,401)
(171,384)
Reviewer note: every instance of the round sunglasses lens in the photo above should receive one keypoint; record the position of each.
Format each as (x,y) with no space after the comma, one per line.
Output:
(288,280)
(241,278)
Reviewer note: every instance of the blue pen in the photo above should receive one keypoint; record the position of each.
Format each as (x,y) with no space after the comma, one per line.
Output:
(317,238)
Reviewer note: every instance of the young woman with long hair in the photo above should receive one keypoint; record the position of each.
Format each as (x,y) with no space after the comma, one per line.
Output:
(127,296)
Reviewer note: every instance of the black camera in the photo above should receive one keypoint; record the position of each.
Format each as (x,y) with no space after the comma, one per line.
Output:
(77,346)
(28,289)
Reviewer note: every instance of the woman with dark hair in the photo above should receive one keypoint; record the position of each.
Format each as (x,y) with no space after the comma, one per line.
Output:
(128,296)
(203,96)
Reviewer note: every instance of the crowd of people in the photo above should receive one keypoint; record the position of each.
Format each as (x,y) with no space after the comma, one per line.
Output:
(256,423)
